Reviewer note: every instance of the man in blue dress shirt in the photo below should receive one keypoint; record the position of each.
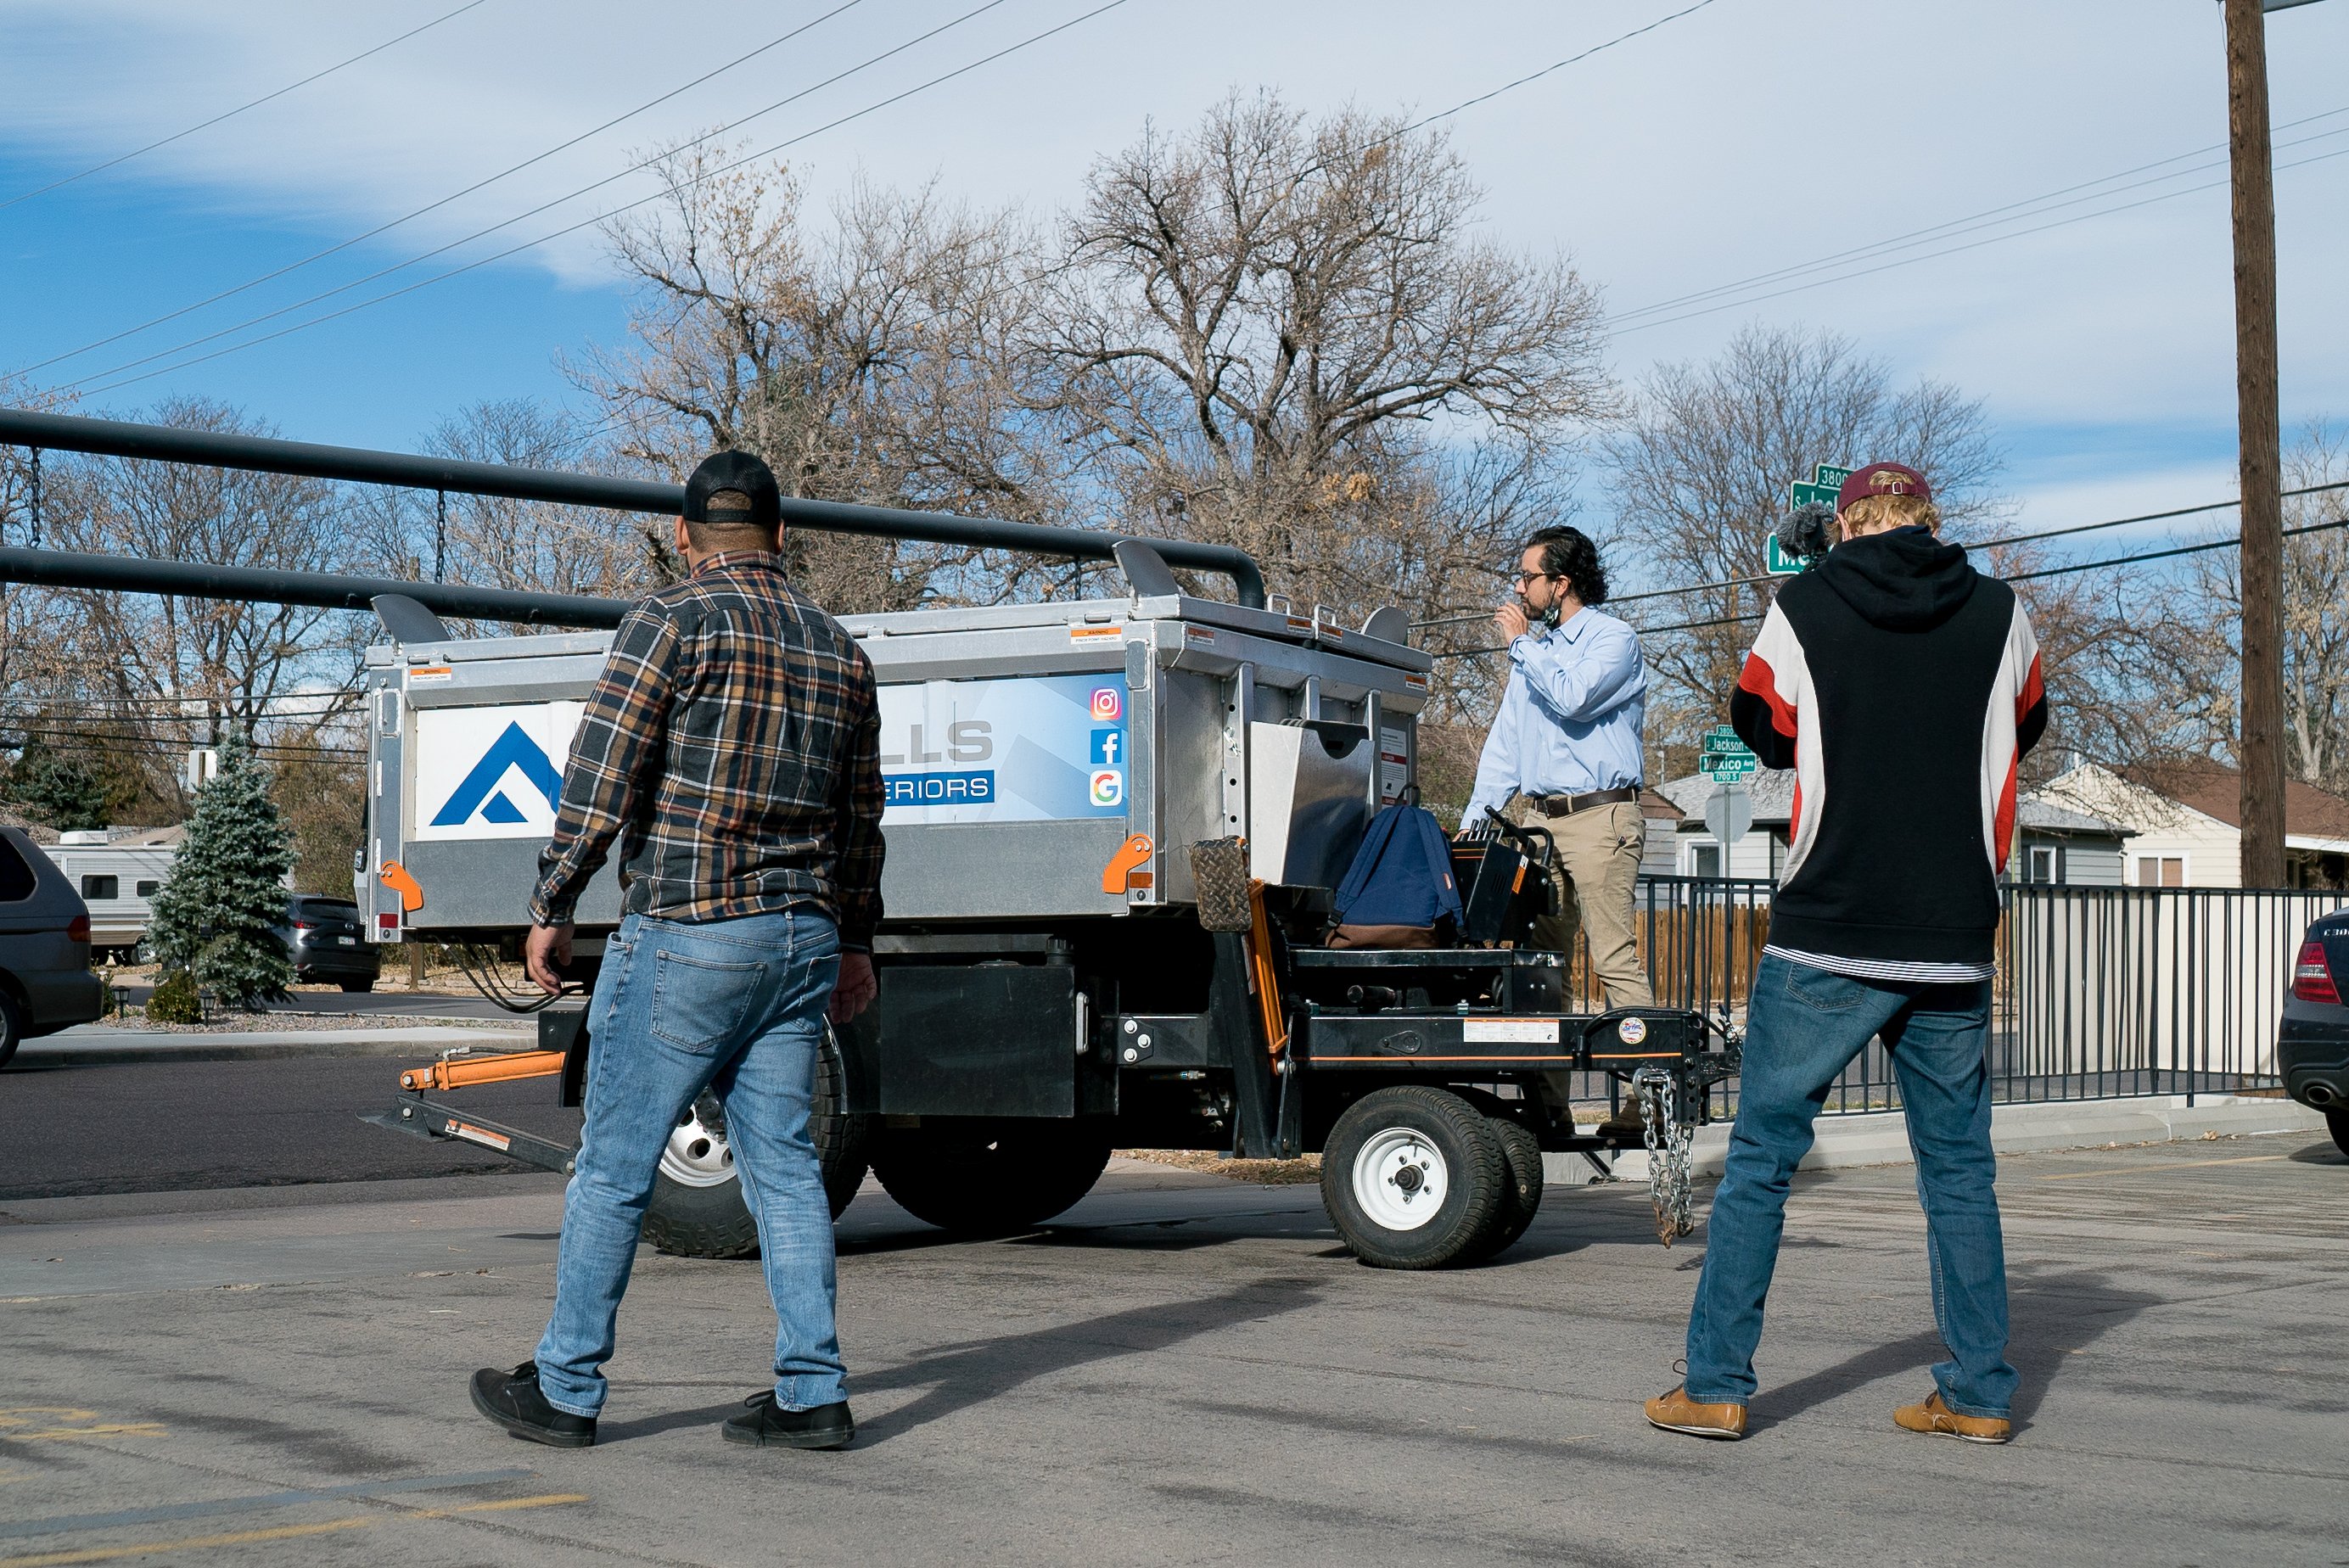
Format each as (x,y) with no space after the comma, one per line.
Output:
(1564,753)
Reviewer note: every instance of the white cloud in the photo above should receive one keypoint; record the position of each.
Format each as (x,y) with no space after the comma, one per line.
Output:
(1749,136)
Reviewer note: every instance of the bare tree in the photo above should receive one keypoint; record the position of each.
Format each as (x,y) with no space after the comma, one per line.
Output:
(1280,333)
(865,360)
(2178,669)
(144,675)
(1701,468)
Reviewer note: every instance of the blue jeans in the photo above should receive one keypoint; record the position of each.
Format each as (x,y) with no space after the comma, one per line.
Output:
(738,1006)
(1806,1026)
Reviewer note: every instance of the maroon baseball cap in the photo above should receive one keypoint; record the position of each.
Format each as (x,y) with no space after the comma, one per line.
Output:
(1883,479)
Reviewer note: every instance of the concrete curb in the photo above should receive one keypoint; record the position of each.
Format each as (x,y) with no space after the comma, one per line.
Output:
(71,1049)
(1882,1138)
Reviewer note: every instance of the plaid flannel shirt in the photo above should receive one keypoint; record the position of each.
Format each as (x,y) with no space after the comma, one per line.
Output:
(732,747)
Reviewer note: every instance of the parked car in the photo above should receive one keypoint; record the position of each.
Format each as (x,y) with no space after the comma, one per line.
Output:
(45,979)
(328,944)
(2313,1045)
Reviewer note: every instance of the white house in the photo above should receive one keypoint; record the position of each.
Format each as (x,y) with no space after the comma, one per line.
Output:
(2183,824)
(2052,843)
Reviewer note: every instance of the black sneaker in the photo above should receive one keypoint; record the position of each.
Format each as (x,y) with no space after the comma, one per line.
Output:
(764,1426)
(512,1399)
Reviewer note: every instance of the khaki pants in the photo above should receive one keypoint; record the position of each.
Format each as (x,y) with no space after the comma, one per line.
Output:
(1596,878)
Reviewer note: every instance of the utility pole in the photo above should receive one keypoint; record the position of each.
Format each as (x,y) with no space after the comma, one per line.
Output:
(2260,749)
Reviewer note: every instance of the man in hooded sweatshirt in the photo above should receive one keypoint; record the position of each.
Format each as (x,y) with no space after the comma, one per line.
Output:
(1903,688)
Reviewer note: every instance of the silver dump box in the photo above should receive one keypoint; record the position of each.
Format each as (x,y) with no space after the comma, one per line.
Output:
(1043,761)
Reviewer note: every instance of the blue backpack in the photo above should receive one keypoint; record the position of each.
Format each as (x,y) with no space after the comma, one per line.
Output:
(1399,887)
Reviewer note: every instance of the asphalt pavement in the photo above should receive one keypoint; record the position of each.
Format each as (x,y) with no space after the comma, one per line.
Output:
(1184,1370)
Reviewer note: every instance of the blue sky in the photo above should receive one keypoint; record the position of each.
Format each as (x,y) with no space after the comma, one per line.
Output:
(1748,135)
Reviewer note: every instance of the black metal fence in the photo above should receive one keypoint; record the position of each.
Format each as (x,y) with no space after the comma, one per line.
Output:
(2101,991)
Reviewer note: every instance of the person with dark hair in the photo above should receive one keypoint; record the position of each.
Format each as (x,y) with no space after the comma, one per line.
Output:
(1565,751)
(732,751)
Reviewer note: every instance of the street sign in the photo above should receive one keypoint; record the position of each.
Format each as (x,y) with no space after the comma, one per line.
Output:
(1722,768)
(1728,814)
(1722,737)
(1824,485)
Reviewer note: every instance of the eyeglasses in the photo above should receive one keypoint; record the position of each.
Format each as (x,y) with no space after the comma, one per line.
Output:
(1525,577)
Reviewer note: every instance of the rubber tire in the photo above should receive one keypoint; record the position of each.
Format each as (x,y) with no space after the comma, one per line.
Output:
(2336,1118)
(716,1223)
(1479,1172)
(1013,1181)
(353,986)
(1521,1153)
(11,1029)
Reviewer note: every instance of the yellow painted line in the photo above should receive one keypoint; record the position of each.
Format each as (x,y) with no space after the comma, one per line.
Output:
(282,1533)
(13,1414)
(105,1430)
(186,1544)
(548,1500)
(2148,1170)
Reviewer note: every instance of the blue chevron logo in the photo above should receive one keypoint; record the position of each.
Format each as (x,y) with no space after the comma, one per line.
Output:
(481,792)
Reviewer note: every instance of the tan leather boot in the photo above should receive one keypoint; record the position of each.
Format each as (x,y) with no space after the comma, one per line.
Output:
(1937,1420)
(1676,1412)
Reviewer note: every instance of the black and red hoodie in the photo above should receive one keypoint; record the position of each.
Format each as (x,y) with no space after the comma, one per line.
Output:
(1903,688)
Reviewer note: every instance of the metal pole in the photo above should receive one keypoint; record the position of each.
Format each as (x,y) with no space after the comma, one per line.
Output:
(37,498)
(2260,440)
(440,536)
(120,439)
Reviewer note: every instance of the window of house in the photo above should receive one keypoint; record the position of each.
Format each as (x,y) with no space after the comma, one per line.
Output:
(148,887)
(2160,871)
(101,887)
(1704,859)
(2046,863)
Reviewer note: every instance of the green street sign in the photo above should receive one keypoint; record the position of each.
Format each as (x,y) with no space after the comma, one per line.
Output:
(1824,485)
(1724,742)
(1722,768)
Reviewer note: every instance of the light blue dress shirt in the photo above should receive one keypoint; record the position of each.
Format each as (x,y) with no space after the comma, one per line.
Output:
(1569,721)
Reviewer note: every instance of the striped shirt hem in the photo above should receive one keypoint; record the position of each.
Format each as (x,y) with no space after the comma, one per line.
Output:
(1899,971)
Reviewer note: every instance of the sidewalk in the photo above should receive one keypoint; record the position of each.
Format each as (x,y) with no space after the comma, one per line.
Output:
(1882,1138)
(93,1045)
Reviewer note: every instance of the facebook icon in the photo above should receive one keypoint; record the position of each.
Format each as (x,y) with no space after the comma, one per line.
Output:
(1109,749)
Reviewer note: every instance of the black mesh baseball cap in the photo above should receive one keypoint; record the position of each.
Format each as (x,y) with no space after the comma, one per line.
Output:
(736,471)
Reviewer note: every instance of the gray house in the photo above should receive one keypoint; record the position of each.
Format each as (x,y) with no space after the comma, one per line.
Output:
(2058,845)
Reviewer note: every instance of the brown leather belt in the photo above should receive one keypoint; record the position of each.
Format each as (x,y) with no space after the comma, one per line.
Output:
(1568,805)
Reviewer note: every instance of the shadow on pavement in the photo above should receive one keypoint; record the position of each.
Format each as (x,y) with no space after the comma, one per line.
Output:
(2322,1152)
(962,1376)
(2052,1315)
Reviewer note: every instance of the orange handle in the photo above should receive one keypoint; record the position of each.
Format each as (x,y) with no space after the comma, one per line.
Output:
(1129,855)
(395,877)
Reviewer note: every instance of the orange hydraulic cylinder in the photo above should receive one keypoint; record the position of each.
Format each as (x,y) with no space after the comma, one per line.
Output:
(497,1069)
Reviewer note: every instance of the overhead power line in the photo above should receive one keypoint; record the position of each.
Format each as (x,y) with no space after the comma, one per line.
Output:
(231,114)
(2327,526)
(2011,212)
(1976,544)
(564,146)
(574,228)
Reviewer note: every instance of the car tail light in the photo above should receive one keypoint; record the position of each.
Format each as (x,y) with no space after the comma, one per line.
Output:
(2312,976)
(299,926)
(78,928)
(386,920)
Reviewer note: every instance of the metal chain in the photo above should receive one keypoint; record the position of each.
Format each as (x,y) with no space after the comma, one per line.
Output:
(1669,1143)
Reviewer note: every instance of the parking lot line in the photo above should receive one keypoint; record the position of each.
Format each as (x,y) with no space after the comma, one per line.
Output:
(257,1503)
(187,1543)
(2158,1169)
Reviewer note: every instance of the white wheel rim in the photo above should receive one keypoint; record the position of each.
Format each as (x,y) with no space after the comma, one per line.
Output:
(697,1155)
(1399,1179)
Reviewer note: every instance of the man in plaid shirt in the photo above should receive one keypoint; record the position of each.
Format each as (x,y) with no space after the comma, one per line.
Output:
(731,749)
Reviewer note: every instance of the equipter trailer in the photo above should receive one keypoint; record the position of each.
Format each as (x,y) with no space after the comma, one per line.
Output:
(1113,828)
